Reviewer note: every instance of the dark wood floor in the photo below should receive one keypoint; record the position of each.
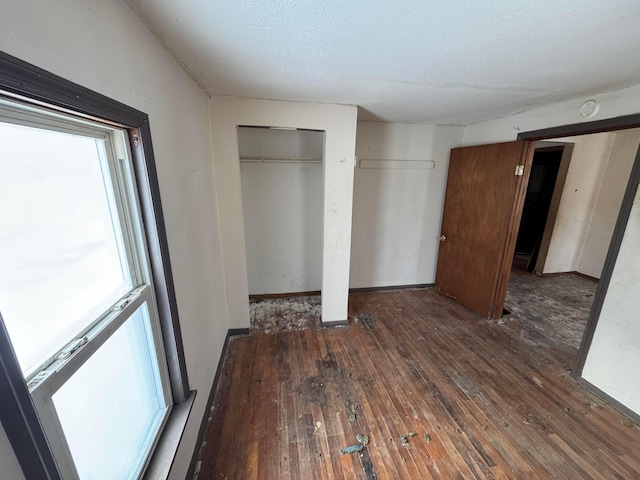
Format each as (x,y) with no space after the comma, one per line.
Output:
(551,311)
(482,402)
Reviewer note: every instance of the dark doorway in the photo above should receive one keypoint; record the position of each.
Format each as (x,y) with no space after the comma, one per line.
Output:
(542,181)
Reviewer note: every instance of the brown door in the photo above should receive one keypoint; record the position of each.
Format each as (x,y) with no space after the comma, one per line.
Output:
(482,209)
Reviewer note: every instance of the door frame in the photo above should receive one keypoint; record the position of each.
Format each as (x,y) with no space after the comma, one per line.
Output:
(625,122)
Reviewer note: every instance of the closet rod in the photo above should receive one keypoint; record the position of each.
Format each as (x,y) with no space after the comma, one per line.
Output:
(280,160)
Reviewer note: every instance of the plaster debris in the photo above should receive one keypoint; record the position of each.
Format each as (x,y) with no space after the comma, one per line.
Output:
(363,439)
(404,439)
(288,314)
(353,410)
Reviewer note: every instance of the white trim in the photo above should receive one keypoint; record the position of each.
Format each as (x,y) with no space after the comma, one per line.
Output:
(39,117)
(61,370)
(57,441)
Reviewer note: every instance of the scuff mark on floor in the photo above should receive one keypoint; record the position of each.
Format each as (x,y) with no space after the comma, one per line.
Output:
(332,378)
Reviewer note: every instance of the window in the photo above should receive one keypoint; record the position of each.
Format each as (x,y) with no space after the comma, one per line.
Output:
(91,361)
(76,292)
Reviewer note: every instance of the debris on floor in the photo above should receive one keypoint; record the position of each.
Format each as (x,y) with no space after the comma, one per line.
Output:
(274,315)
(363,439)
(549,309)
(404,439)
(290,381)
(351,411)
(367,320)
(352,449)
(331,382)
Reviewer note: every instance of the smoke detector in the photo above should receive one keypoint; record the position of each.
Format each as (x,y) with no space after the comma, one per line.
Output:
(589,108)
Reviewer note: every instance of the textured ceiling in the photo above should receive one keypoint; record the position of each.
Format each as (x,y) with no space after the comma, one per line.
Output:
(416,61)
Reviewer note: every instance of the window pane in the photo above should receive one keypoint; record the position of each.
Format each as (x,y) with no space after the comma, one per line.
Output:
(61,262)
(111,407)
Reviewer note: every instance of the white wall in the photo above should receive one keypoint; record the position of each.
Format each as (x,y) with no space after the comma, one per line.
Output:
(505,129)
(103,46)
(614,355)
(591,198)
(397,212)
(605,212)
(282,207)
(276,143)
(579,195)
(339,124)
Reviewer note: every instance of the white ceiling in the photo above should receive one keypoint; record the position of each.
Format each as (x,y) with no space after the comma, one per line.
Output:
(415,61)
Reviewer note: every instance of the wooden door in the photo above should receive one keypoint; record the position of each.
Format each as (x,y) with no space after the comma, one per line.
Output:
(486,187)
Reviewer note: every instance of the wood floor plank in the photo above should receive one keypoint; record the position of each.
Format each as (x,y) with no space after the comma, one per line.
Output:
(388,425)
(396,401)
(493,403)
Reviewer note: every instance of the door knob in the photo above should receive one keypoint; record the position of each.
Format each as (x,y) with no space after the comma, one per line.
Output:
(443,238)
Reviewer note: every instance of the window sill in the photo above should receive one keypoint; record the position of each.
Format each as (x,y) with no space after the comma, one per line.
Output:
(167,447)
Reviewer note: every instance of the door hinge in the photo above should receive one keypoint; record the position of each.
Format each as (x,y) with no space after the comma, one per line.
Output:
(519,170)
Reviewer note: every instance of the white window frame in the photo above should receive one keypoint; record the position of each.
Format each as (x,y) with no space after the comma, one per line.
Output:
(44,381)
